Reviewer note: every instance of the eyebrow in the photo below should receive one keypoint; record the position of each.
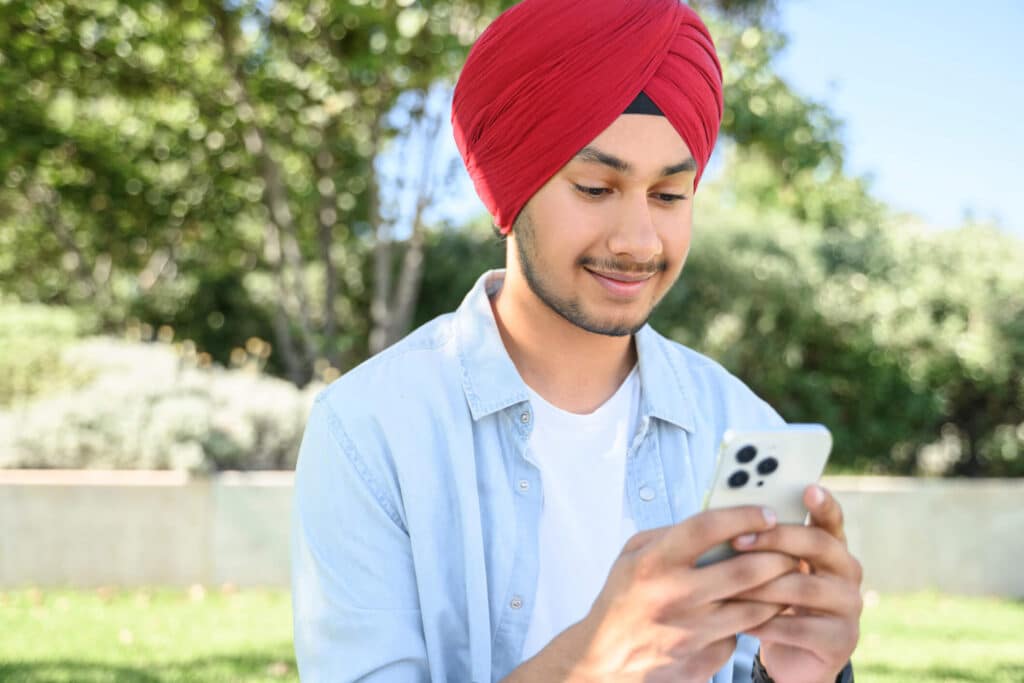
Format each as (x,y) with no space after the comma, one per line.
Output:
(596,156)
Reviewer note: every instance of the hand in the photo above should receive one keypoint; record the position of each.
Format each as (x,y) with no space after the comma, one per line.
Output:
(813,639)
(658,617)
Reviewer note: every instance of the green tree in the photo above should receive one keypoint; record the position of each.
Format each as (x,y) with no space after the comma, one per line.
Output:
(154,152)
(214,166)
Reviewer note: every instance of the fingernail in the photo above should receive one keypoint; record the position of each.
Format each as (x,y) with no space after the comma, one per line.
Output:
(769,516)
(817,495)
(746,540)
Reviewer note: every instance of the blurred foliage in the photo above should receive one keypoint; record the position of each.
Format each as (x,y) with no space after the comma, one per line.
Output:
(158,406)
(890,336)
(208,172)
(908,344)
(153,155)
(32,337)
(209,166)
(787,145)
(456,260)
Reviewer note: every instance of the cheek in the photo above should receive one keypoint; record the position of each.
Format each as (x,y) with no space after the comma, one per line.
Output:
(567,227)
(675,242)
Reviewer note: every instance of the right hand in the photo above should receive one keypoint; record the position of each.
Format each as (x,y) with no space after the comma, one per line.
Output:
(660,618)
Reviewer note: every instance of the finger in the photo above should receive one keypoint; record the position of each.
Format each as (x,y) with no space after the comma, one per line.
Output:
(683,543)
(821,594)
(724,620)
(826,513)
(827,637)
(641,539)
(704,664)
(726,579)
(821,549)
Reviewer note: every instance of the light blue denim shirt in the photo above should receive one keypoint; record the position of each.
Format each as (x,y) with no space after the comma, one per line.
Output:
(416,510)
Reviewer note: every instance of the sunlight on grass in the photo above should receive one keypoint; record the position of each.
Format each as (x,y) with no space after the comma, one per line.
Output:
(940,639)
(146,636)
(197,635)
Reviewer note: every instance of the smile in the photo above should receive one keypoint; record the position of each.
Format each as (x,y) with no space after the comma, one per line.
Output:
(623,285)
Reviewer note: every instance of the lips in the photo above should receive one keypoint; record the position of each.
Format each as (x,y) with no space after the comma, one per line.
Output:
(621,285)
(623,277)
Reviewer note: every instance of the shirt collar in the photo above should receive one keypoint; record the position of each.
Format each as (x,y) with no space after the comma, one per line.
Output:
(665,392)
(491,381)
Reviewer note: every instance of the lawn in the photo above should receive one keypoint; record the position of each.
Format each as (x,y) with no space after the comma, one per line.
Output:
(155,636)
(145,636)
(934,638)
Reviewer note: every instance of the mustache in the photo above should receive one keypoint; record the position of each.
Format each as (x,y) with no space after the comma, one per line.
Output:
(620,266)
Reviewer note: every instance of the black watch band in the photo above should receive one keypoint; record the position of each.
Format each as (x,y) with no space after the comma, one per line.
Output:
(759,675)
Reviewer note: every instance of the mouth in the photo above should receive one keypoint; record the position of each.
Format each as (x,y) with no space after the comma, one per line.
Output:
(622,277)
(621,285)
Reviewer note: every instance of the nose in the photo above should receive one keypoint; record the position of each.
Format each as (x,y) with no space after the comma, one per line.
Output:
(635,235)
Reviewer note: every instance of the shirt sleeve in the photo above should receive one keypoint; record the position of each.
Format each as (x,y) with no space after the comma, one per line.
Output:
(355,610)
(743,658)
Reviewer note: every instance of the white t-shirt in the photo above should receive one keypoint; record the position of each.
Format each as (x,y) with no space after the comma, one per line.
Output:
(585,518)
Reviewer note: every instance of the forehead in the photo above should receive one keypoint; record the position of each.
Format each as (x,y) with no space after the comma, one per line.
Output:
(644,141)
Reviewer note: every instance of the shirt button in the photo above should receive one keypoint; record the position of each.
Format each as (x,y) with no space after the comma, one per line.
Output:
(524,485)
(525,417)
(516,603)
(646,493)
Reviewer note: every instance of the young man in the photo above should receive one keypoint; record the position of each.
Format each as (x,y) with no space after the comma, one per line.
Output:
(513,491)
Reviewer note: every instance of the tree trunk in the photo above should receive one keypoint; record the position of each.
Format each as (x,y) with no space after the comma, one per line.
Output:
(327,218)
(399,307)
(280,234)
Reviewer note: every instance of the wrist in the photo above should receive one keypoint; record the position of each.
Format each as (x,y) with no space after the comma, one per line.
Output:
(759,674)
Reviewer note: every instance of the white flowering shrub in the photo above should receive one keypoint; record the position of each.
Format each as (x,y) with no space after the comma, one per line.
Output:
(151,406)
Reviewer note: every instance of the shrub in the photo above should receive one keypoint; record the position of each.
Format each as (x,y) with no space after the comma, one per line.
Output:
(152,406)
(908,344)
(32,337)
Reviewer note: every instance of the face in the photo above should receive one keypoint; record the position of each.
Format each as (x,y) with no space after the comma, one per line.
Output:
(605,238)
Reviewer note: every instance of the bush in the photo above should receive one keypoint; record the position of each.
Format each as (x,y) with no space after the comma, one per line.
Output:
(152,406)
(32,337)
(908,344)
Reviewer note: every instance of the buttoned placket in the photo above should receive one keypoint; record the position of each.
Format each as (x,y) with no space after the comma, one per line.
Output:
(527,498)
(646,487)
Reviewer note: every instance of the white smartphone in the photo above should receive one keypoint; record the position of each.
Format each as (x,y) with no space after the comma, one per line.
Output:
(767,467)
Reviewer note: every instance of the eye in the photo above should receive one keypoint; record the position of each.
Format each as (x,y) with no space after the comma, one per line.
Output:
(594,192)
(669,198)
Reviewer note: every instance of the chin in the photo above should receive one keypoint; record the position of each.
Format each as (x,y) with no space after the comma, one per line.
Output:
(613,327)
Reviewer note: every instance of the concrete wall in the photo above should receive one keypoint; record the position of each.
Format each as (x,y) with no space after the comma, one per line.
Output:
(955,536)
(87,528)
(143,528)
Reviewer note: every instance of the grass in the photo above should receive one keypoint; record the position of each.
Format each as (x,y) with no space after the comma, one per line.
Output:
(145,636)
(940,639)
(158,636)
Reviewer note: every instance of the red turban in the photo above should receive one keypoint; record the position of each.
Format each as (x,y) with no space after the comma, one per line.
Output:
(548,76)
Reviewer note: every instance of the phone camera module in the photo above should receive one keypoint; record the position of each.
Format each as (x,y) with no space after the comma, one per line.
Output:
(767,466)
(746,454)
(738,479)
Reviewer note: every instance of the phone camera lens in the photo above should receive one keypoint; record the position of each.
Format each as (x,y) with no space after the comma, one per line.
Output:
(767,466)
(738,479)
(746,454)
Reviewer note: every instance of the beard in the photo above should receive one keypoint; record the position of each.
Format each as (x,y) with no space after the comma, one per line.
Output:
(570,308)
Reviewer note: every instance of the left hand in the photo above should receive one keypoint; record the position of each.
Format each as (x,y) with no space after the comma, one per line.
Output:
(813,638)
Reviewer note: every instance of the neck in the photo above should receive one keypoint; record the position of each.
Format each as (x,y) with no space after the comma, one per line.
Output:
(571,368)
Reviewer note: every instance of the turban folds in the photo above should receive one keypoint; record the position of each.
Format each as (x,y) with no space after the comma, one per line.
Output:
(548,76)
